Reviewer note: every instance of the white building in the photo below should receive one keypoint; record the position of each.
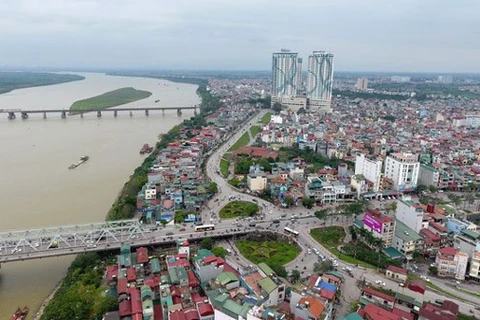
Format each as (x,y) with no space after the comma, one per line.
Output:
(362,84)
(320,80)
(451,263)
(150,192)
(371,169)
(475,264)
(402,169)
(410,214)
(284,74)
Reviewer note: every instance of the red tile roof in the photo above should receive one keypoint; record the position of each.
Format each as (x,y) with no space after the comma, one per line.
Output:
(327,294)
(205,309)
(135,300)
(397,269)
(131,275)
(448,251)
(403,314)
(124,308)
(177,315)
(417,286)
(112,272)
(122,286)
(376,293)
(315,306)
(437,227)
(376,313)
(142,255)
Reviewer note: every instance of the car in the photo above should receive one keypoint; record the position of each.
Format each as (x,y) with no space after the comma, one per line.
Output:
(169,233)
(181,229)
(380,282)
(433,265)
(254,200)
(309,251)
(401,284)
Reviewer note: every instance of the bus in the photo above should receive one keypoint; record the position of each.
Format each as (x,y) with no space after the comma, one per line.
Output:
(291,232)
(205,227)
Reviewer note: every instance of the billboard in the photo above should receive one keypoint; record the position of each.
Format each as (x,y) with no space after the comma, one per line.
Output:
(373,224)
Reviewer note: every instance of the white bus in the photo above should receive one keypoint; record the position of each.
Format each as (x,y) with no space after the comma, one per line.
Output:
(291,232)
(205,227)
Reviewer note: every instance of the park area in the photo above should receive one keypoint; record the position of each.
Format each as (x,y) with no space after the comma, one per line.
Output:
(270,252)
(110,99)
(237,209)
(328,237)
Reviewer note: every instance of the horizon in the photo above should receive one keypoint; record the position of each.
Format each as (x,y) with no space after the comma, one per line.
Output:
(428,36)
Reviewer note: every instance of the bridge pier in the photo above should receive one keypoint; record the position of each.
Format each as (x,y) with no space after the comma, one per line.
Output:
(99,114)
(24,115)
(11,116)
(44,115)
(81,114)
(131,114)
(64,114)
(115,113)
(163,112)
(179,112)
(195,112)
(146,112)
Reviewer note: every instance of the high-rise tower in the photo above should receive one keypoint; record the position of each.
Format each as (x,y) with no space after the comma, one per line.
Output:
(320,79)
(284,74)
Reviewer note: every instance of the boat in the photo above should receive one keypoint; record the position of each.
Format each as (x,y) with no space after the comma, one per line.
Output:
(157,101)
(20,314)
(146,149)
(76,164)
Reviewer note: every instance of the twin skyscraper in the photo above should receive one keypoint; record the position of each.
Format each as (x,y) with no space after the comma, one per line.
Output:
(287,80)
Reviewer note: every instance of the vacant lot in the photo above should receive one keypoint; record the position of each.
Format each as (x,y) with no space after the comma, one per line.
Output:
(328,237)
(237,209)
(110,99)
(270,252)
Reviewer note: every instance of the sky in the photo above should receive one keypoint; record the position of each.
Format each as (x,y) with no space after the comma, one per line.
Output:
(364,35)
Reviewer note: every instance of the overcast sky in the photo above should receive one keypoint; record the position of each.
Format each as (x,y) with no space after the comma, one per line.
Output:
(364,35)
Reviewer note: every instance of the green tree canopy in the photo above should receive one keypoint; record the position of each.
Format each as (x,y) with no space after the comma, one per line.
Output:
(207,243)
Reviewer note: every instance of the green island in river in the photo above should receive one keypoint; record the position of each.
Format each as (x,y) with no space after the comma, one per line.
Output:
(10,81)
(110,99)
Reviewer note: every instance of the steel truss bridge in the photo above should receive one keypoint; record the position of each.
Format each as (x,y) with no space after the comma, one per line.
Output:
(67,240)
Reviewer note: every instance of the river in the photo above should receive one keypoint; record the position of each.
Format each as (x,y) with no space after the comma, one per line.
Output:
(38,190)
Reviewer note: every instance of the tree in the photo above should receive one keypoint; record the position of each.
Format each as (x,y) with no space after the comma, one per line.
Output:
(212,187)
(301,110)
(207,243)
(220,252)
(288,202)
(432,188)
(295,276)
(421,188)
(277,107)
(278,269)
(320,268)
(163,222)
(433,271)
(308,202)
(322,214)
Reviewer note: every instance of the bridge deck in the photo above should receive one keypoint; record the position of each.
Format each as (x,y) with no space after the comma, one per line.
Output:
(94,110)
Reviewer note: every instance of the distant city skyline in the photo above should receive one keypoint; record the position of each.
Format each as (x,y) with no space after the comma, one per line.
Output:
(428,36)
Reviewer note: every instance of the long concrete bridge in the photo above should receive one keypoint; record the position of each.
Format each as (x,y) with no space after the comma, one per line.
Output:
(12,113)
(67,240)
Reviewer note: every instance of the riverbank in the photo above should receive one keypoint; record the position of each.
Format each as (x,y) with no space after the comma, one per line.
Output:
(72,293)
(110,99)
(10,81)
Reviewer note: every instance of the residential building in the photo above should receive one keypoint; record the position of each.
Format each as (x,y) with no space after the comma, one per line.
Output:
(284,75)
(467,241)
(455,226)
(475,264)
(206,265)
(362,84)
(428,175)
(256,179)
(309,309)
(378,298)
(406,240)
(370,168)
(402,169)
(396,273)
(448,311)
(451,263)
(380,225)
(409,213)
(320,80)
(432,242)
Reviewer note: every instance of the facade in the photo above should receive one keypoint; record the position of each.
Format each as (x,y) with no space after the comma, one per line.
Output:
(396,273)
(406,240)
(467,241)
(402,169)
(380,225)
(320,79)
(410,214)
(362,84)
(428,175)
(451,263)
(284,74)
(475,264)
(371,169)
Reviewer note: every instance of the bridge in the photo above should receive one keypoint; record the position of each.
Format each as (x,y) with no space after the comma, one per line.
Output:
(12,113)
(67,240)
